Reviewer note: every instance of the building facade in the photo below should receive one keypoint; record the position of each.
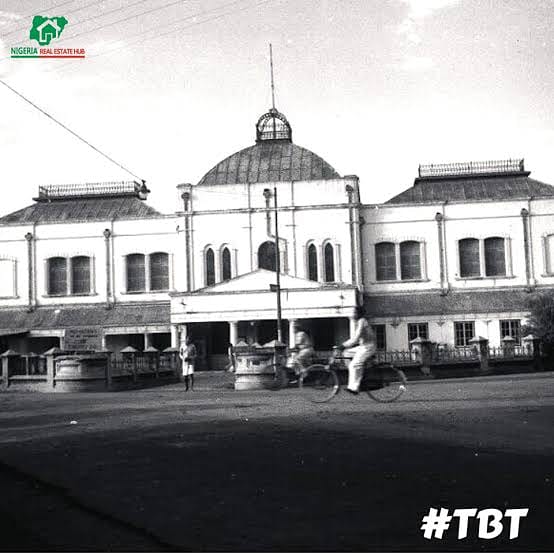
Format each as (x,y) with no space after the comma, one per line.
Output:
(454,256)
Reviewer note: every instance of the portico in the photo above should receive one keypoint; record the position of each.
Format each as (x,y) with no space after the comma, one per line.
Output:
(244,309)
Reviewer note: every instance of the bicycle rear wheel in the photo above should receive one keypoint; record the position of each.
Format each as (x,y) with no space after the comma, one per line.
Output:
(386,384)
(318,383)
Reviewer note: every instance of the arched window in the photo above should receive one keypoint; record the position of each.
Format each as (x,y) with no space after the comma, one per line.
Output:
(312,262)
(159,271)
(225,264)
(329,259)
(410,262)
(385,261)
(136,277)
(469,258)
(210,267)
(495,257)
(57,276)
(80,275)
(267,258)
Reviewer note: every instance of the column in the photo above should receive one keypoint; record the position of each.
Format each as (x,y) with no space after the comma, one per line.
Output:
(147,340)
(107,234)
(524,218)
(183,335)
(292,331)
(30,271)
(439,219)
(174,336)
(233,332)
(352,324)
(482,346)
(103,342)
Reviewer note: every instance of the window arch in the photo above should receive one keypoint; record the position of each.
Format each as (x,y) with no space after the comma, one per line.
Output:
(226,273)
(385,261)
(495,257)
(470,265)
(159,271)
(57,276)
(209,265)
(267,258)
(80,275)
(329,262)
(410,260)
(312,262)
(136,281)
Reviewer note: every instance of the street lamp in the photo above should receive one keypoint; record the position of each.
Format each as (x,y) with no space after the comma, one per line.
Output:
(267,195)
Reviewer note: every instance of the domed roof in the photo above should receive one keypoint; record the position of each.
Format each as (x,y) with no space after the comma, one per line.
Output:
(273,158)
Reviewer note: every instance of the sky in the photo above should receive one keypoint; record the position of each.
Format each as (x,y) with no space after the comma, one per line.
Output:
(169,88)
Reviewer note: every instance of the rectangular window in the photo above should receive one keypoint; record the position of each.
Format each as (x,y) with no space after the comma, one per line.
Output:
(57,276)
(495,257)
(385,261)
(511,328)
(136,277)
(410,263)
(464,331)
(470,265)
(80,275)
(417,330)
(7,275)
(380,336)
(159,271)
(549,246)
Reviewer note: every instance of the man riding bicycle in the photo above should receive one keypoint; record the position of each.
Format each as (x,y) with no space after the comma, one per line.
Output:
(364,346)
(304,352)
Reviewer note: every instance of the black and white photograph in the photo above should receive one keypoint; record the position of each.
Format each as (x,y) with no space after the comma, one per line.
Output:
(276,276)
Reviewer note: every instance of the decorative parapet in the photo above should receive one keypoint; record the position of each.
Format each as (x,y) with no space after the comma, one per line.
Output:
(47,193)
(472,168)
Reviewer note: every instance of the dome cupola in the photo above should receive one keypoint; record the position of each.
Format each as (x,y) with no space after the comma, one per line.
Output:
(273,125)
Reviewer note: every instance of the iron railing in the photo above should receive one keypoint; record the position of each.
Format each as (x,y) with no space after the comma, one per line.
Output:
(49,192)
(512,351)
(472,168)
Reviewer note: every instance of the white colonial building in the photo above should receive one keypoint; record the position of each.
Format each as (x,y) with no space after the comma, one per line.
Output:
(454,256)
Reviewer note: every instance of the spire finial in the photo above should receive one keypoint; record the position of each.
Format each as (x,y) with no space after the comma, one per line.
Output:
(272,83)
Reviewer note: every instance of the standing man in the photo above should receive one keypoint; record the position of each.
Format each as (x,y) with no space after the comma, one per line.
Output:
(188,357)
(364,346)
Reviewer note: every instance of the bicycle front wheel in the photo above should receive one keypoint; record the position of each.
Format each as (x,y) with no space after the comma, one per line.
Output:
(387,384)
(318,383)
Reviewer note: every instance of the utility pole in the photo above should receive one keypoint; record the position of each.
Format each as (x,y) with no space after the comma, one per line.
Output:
(277,269)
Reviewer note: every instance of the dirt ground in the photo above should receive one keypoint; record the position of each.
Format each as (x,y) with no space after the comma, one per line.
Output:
(161,469)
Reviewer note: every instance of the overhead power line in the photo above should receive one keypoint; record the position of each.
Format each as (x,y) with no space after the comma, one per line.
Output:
(51,8)
(142,39)
(112,23)
(68,129)
(97,16)
(122,20)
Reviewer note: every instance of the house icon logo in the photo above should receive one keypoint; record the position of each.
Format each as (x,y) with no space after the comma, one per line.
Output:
(46,29)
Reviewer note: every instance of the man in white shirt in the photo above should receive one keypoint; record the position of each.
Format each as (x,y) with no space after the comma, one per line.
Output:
(364,346)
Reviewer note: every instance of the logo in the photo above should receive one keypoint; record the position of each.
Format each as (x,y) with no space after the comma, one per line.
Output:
(44,30)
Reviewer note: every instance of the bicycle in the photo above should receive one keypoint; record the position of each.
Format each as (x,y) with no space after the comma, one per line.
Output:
(382,381)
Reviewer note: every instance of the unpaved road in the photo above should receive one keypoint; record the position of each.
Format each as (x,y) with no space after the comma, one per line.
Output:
(163,470)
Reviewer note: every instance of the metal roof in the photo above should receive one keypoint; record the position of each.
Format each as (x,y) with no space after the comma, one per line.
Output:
(474,187)
(433,303)
(91,315)
(82,209)
(270,161)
